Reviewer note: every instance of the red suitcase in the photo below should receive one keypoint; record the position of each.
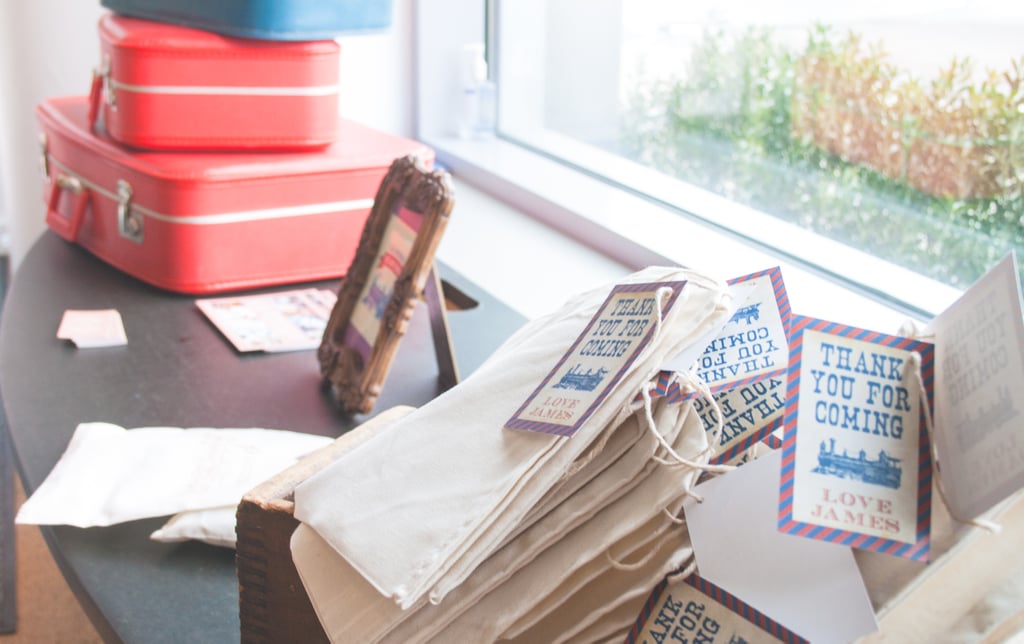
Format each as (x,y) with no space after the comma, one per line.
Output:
(215,221)
(162,86)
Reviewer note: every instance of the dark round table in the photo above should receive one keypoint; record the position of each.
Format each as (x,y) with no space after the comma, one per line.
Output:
(176,370)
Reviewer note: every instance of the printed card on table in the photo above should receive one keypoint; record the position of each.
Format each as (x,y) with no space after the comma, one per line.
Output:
(282,321)
(624,324)
(856,461)
(693,609)
(979,350)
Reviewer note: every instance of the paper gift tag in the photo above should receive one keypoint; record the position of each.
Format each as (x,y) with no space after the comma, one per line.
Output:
(856,465)
(693,609)
(620,330)
(979,351)
(749,414)
(751,345)
(744,366)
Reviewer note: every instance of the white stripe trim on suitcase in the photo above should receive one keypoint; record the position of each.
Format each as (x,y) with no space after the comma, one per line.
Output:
(211,90)
(228,217)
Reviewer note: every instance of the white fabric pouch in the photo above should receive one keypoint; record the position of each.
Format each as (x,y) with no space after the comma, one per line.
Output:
(663,489)
(613,587)
(615,481)
(448,483)
(109,474)
(215,526)
(351,610)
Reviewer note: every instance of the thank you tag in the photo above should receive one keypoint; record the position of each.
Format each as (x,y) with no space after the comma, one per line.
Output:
(595,363)
(856,466)
(752,344)
(979,350)
(749,414)
(692,609)
(744,366)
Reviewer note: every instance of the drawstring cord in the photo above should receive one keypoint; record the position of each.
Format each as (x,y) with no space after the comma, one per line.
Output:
(914,364)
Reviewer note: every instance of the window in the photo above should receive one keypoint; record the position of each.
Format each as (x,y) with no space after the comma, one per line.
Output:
(892,131)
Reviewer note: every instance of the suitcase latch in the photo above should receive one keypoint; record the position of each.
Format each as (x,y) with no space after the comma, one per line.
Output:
(69,183)
(129,222)
(108,86)
(44,159)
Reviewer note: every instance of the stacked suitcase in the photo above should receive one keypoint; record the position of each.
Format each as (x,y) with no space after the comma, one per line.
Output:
(209,155)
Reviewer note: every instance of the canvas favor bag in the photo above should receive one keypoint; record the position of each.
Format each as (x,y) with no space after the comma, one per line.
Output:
(349,609)
(492,614)
(591,464)
(601,492)
(623,476)
(638,546)
(404,506)
(616,586)
(614,480)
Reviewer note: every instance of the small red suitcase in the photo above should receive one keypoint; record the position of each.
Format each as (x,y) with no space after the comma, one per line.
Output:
(162,86)
(208,222)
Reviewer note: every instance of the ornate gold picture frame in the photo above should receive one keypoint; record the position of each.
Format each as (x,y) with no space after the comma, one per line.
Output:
(392,267)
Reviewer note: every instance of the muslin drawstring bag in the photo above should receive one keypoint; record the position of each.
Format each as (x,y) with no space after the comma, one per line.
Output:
(500,608)
(637,546)
(617,480)
(602,490)
(614,587)
(625,466)
(350,609)
(589,466)
(614,627)
(407,504)
(475,551)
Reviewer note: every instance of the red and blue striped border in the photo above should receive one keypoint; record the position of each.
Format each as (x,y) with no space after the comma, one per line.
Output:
(918,551)
(763,434)
(778,286)
(771,440)
(722,597)
(568,430)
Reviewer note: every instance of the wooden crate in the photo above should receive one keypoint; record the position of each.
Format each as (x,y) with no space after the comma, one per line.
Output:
(961,585)
(272,603)
(913,601)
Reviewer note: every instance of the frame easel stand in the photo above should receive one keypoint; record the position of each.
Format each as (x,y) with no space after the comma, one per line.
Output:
(447,369)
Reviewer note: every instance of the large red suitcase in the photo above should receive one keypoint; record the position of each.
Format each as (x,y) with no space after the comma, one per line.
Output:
(163,86)
(216,221)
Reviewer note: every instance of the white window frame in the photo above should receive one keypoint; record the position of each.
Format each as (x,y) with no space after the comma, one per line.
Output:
(635,230)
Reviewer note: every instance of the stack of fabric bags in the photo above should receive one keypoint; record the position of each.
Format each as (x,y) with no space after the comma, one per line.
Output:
(446,526)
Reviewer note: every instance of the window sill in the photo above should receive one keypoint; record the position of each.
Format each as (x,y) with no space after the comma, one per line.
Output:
(572,226)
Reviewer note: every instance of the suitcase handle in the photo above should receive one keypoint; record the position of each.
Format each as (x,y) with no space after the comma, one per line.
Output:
(66,227)
(94,99)
(99,88)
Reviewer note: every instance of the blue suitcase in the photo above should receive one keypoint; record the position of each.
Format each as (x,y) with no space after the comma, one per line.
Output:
(265,19)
